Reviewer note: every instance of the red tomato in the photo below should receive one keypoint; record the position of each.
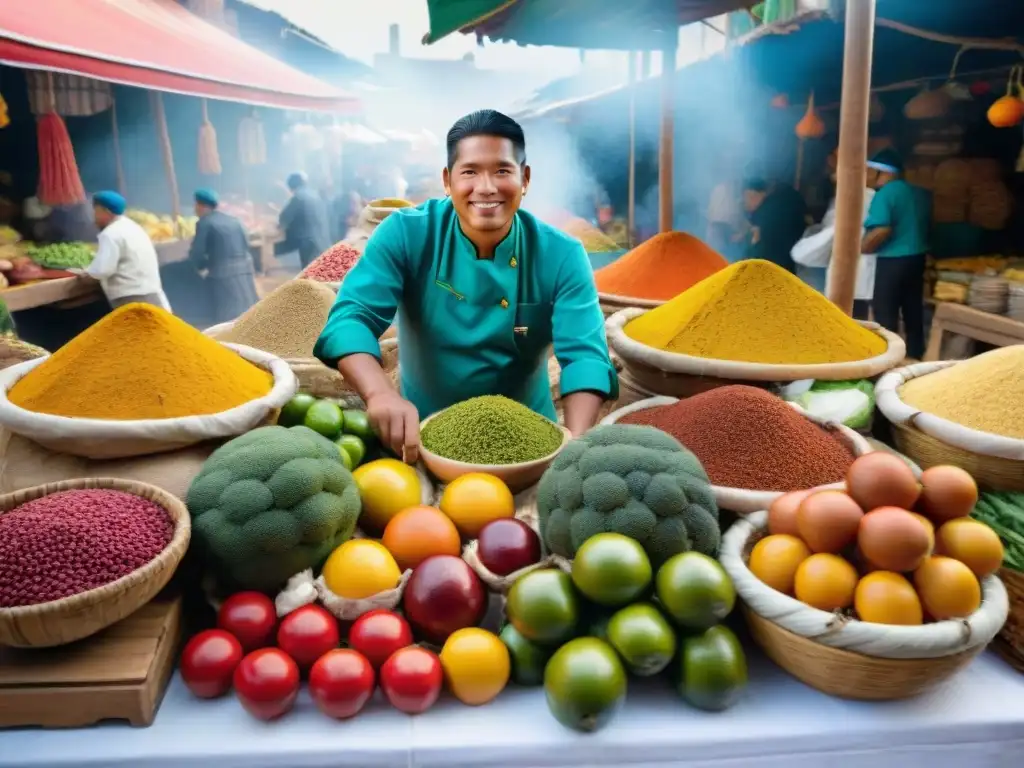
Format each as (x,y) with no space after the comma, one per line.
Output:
(378,634)
(307,634)
(267,682)
(209,661)
(411,679)
(341,682)
(251,617)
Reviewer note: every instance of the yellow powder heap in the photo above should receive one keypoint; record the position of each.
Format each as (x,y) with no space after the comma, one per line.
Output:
(140,362)
(984,393)
(286,322)
(756,312)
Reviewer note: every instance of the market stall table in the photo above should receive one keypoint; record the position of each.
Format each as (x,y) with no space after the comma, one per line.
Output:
(974,324)
(976,719)
(20,298)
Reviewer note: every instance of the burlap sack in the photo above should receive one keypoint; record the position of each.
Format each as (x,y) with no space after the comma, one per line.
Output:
(502,584)
(345,609)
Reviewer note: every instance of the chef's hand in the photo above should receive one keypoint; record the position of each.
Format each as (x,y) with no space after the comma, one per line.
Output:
(397,423)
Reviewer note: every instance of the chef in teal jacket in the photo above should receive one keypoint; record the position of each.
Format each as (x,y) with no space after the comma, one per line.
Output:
(481,290)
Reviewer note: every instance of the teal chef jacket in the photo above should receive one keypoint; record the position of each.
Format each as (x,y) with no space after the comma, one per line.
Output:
(469,326)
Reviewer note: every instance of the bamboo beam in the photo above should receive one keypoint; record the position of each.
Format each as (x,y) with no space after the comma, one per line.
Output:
(665,154)
(167,152)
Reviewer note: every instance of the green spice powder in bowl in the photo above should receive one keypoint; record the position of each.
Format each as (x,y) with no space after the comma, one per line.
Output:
(491,434)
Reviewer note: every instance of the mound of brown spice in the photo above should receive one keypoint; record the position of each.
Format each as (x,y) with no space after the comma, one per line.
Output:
(286,322)
(748,438)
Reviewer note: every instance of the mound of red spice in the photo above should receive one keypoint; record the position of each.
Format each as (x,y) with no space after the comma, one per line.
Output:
(748,438)
(333,264)
(73,541)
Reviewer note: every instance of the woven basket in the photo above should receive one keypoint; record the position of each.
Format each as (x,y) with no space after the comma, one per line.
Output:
(995,462)
(14,351)
(72,618)
(1010,642)
(849,658)
(741,500)
(610,303)
(677,375)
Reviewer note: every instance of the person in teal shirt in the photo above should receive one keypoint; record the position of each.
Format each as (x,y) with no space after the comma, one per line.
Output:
(897,228)
(481,290)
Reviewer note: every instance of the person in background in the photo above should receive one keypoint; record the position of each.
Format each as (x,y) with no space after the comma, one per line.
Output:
(222,247)
(897,229)
(778,217)
(67,224)
(125,265)
(726,222)
(482,290)
(305,222)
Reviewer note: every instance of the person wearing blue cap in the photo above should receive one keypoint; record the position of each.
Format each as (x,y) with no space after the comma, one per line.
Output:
(222,247)
(897,230)
(126,263)
(304,221)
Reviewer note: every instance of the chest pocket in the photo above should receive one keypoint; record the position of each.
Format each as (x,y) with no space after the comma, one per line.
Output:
(533,329)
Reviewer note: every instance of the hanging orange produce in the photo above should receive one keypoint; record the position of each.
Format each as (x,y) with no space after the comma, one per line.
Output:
(59,181)
(209,157)
(810,126)
(1008,110)
(5,119)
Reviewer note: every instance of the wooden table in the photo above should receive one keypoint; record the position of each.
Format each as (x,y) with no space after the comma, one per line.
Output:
(261,246)
(45,292)
(974,324)
(172,251)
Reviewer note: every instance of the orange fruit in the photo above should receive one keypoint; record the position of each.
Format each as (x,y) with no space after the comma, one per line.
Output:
(417,533)
(884,597)
(360,568)
(474,500)
(774,560)
(972,543)
(826,582)
(947,588)
(386,487)
(928,526)
(476,665)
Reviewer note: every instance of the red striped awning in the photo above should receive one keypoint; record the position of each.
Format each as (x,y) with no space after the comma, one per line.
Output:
(155,44)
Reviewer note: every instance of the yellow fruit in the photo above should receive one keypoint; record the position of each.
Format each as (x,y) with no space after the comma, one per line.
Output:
(972,543)
(826,582)
(947,588)
(476,665)
(474,500)
(774,560)
(360,568)
(386,486)
(883,597)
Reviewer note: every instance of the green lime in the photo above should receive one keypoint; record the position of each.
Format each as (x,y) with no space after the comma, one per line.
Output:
(346,459)
(584,684)
(325,417)
(643,638)
(713,670)
(695,590)
(528,659)
(294,411)
(543,607)
(358,423)
(611,569)
(353,447)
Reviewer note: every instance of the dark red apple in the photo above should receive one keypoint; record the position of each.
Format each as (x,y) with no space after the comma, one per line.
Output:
(443,595)
(504,546)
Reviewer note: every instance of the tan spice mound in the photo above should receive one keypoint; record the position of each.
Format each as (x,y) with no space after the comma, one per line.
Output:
(285,323)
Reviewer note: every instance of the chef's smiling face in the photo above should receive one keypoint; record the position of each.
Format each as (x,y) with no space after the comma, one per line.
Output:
(486,183)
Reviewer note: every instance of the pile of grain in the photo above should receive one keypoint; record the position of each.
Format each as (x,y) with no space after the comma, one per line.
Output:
(285,323)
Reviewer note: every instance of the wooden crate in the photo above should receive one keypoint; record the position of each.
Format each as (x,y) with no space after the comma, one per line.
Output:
(118,674)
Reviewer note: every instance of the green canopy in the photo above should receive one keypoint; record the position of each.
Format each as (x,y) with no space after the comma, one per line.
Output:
(606,24)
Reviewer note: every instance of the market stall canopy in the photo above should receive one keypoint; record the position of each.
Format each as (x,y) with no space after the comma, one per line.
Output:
(602,24)
(155,44)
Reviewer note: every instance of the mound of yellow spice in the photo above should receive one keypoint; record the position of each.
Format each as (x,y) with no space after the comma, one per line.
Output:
(140,362)
(985,393)
(755,312)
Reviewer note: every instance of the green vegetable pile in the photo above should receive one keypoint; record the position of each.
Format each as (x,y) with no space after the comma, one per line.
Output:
(61,255)
(270,504)
(628,479)
(491,430)
(1004,513)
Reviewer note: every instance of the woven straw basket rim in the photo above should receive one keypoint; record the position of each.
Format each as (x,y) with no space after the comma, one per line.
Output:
(161,567)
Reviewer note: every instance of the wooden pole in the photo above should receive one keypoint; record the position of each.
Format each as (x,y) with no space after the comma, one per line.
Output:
(157,101)
(851,168)
(122,187)
(631,184)
(665,159)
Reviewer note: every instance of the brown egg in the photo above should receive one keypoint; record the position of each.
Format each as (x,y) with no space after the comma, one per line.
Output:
(782,513)
(893,539)
(947,492)
(880,479)
(930,527)
(828,521)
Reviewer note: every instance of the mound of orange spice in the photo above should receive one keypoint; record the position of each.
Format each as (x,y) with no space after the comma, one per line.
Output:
(661,268)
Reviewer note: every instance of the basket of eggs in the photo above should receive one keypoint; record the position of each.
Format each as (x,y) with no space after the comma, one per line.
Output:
(876,592)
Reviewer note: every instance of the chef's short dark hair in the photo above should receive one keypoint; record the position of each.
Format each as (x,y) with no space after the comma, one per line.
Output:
(486,122)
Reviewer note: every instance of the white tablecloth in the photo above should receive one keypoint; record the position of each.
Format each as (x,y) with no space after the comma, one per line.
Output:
(974,721)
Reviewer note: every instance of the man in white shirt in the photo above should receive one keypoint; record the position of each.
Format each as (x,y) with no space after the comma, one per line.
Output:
(125,264)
